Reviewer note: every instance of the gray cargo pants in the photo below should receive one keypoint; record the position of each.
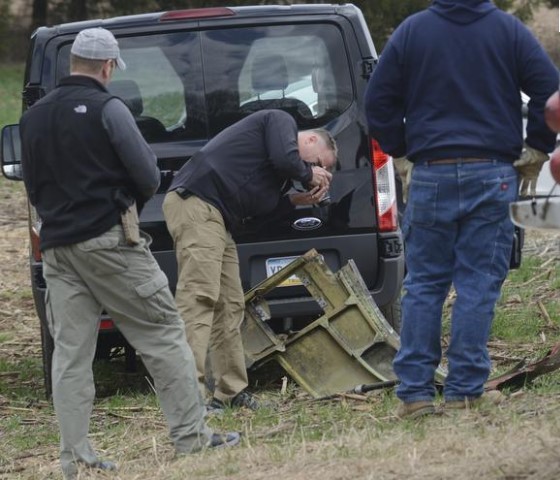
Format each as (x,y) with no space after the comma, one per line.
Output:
(105,273)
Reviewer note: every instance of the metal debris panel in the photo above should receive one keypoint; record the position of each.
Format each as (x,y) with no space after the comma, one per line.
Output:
(351,344)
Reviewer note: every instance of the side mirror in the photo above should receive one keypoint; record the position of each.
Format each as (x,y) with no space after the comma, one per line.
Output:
(11,153)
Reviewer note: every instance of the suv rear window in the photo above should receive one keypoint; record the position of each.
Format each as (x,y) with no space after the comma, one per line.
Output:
(174,95)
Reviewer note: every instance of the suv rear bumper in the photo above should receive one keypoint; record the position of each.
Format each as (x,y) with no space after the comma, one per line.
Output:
(385,293)
(379,257)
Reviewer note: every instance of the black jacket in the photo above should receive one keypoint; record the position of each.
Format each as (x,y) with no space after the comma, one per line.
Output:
(71,168)
(243,169)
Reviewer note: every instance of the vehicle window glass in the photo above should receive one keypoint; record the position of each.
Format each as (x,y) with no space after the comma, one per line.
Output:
(302,69)
(161,85)
(266,75)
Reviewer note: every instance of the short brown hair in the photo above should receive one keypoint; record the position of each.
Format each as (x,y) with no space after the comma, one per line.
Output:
(329,140)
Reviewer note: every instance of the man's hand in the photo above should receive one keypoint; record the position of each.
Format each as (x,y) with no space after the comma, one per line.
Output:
(404,169)
(529,166)
(306,198)
(321,179)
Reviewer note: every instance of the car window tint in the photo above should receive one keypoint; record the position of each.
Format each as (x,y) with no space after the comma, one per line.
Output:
(302,69)
(162,84)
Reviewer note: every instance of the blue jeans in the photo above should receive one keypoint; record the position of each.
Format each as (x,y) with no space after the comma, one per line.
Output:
(457,232)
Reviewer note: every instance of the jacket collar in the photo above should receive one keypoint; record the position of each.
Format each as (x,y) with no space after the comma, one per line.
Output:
(82,80)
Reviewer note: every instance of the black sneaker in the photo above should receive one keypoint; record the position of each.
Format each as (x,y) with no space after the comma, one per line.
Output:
(245,399)
(215,407)
(71,473)
(242,399)
(223,440)
(104,465)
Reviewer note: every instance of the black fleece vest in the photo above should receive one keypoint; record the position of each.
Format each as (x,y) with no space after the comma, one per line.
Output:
(70,168)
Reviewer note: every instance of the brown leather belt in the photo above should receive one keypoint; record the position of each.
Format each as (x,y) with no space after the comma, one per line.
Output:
(454,161)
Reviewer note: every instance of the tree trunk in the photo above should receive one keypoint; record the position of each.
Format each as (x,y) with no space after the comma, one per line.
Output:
(39,14)
(77,10)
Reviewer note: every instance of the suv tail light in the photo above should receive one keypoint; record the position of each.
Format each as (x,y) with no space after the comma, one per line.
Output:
(385,189)
(106,324)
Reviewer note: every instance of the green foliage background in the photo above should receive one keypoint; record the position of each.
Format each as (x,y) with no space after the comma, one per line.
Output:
(382,16)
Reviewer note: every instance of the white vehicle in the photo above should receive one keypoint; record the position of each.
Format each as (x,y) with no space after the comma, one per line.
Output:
(545,184)
(542,212)
(536,213)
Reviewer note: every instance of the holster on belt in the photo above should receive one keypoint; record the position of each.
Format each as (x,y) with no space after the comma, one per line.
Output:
(129,217)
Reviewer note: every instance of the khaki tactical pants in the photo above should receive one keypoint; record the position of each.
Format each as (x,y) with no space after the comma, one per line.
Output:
(209,293)
(105,273)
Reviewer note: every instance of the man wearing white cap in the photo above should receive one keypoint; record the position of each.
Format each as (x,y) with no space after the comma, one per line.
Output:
(84,164)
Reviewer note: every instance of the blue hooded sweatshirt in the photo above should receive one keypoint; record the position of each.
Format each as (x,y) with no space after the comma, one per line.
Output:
(448,85)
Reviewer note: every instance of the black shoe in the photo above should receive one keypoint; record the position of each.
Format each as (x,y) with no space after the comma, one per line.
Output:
(245,399)
(215,407)
(104,465)
(242,399)
(223,440)
(72,472)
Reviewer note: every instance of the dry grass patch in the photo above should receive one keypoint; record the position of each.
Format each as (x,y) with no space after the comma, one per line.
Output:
(294,437)
(360,439)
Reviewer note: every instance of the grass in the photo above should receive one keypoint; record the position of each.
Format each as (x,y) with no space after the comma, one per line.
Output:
(294,436)
(21,379)
(11,86)
(524,300)
(528,306)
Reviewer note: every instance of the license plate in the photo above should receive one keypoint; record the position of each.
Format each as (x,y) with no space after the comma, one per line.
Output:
(274,265)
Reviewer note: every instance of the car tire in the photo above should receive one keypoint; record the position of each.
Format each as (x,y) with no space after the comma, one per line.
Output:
(47,346)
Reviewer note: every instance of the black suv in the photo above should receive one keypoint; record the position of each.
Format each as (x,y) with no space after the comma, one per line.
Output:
(190,74)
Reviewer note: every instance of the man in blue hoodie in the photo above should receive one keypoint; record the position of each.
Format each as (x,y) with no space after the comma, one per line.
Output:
(446,94)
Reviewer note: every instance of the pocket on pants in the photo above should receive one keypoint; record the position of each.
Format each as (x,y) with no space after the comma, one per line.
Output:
(103,255)
(499,193)
(157,300)
(423,203)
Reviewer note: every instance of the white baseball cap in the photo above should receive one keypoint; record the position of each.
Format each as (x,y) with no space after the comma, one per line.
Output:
(97,44)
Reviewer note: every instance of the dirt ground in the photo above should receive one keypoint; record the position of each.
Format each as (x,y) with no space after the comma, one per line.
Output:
(16,307)
(520,444)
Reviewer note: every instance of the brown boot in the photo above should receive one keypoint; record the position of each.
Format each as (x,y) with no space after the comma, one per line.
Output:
(415,409)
